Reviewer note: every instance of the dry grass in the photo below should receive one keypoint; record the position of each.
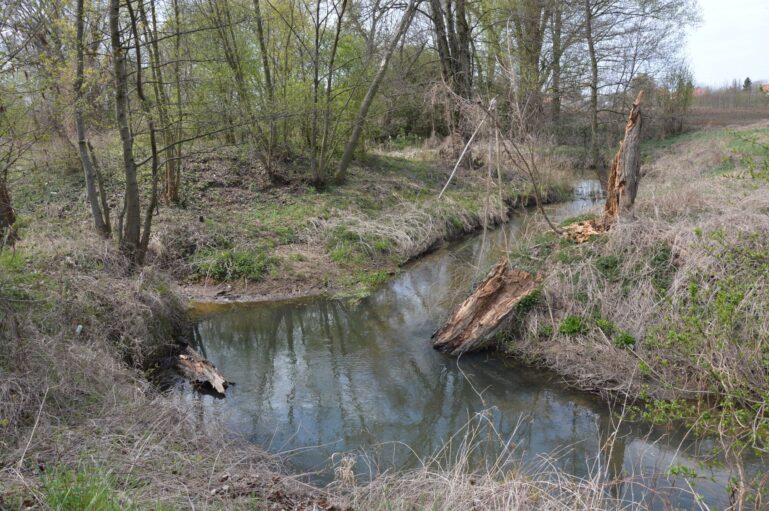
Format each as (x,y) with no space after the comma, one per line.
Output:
(77,330)
(455,478)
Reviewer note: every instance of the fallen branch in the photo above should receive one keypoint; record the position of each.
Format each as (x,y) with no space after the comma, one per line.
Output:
(200,371)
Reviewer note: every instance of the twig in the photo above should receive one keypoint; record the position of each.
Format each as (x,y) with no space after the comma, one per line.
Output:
(34,428)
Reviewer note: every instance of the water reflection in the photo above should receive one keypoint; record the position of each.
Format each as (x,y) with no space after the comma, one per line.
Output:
(340,376)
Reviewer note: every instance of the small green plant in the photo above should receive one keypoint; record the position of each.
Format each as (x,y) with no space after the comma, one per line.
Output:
(605,325)
(573,325)
(624,340)
(225,265)
(608,266)
(529,301)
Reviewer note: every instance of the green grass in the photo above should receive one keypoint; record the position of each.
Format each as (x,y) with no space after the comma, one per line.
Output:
(84,489)
(584,217)
(224,265)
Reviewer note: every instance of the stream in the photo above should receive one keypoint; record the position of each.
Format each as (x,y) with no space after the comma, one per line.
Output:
(320,377)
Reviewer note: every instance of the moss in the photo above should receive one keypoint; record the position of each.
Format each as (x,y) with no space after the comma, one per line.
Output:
(529,301)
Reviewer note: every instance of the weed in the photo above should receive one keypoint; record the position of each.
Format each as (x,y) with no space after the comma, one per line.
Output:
(624,340)
(224,265)
(573,325)
(608,266)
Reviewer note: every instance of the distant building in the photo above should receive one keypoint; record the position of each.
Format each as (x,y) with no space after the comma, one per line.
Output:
(699,92)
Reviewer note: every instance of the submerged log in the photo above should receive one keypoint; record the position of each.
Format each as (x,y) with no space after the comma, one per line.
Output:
(472,324)
(200,371)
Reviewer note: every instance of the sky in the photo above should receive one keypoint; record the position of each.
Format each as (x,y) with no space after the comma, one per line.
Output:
(731,42)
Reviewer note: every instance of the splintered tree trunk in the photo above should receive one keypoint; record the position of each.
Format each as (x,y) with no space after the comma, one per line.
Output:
(625,169)
(622,185)
(473,323)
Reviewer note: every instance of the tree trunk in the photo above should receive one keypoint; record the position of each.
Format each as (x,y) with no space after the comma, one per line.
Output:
(594,153)
(7,215)
(557,51)
(625,169)
(85,158)
(622,184)
(360,117)
(474,322)
(131,215)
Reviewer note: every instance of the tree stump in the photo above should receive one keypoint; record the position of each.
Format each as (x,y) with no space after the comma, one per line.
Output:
(472,324)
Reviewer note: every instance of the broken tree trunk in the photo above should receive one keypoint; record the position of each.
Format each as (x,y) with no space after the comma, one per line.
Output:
(472,324)
(200,371)
(623,182)
(625,169)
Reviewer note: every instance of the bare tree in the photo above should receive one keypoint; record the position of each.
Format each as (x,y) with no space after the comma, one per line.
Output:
(100,218)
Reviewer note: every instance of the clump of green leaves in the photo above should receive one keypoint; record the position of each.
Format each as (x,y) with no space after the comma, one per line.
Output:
(573,325)
(608,266)
(529,301)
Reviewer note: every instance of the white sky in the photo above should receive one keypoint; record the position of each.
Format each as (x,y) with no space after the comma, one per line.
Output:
(731,42)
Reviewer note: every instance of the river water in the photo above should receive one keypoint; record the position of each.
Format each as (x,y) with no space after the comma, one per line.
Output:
(317,378)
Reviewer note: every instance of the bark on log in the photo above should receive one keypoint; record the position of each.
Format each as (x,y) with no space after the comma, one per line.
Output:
(625,169)
(200,371)
(472,324)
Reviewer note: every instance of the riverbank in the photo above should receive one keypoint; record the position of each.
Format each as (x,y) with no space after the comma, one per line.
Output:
(81,332)
(669,310)
(238,240)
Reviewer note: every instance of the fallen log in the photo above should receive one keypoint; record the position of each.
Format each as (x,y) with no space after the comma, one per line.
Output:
(200,371)
(472,324)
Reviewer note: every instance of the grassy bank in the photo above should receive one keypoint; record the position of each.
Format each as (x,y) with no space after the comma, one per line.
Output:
(670,308)
(250,241)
